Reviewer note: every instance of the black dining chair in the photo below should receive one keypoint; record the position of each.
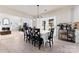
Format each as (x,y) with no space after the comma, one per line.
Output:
(50,37)
(25,28)
(29,34)
(37,39)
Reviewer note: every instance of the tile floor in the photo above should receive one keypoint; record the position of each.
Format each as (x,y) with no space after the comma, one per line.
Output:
(14,43)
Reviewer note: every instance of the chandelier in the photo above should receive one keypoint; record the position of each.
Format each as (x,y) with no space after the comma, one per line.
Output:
(37,11)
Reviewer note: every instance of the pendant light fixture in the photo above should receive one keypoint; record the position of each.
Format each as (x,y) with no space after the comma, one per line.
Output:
(37,11)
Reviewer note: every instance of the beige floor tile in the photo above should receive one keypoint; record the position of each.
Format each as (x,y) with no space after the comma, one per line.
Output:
(14,43)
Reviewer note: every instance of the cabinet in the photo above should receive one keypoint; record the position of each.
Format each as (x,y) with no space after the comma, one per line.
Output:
(66,33)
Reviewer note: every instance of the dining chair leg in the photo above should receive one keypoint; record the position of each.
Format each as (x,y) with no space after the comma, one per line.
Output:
(29,39)
(39,46)
(40,43)
(26,40)
(50,43)
(46,43)
(24,35)
(34,43)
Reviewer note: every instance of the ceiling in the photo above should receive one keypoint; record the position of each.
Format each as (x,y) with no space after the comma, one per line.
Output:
(32,9)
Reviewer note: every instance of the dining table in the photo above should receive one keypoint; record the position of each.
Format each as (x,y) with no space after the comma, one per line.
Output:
(44,35)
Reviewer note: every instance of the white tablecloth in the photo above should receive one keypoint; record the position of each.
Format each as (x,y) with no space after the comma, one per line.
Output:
(44,35)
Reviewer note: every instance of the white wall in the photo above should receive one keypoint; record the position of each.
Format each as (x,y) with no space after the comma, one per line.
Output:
(76,13)
(62,15)
(68,14)
(16,18)
(15,21)
(40,22)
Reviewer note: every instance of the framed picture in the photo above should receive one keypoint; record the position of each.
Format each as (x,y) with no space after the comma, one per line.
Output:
(44,24)
(5,21)
(51,24)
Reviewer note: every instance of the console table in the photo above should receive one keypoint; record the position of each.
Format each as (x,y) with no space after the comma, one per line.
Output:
(5,31)
(66,32)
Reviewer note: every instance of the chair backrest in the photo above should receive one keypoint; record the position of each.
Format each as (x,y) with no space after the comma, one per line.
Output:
(51,32)
(29,30)
(37,32)
(25,27)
